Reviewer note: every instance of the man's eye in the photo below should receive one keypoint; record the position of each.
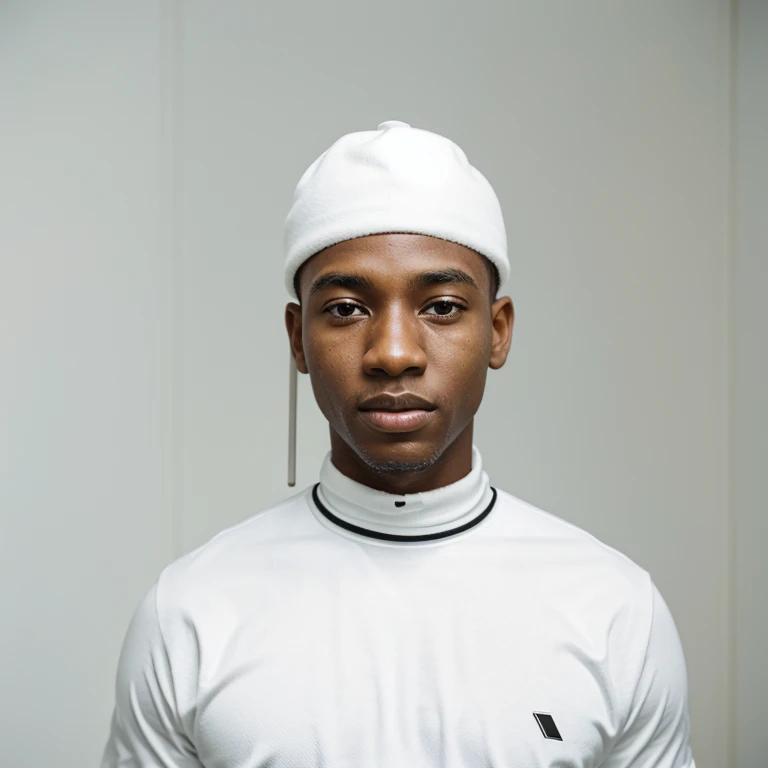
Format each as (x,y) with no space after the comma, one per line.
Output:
(346,305)
(446,305)
(346,309)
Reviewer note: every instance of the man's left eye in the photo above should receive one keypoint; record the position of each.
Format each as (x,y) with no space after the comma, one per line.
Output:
(444,305)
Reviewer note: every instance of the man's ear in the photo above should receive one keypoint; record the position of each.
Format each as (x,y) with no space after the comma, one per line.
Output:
(502,320)
(293,326)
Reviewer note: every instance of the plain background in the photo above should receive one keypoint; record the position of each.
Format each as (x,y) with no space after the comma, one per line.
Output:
(149,152)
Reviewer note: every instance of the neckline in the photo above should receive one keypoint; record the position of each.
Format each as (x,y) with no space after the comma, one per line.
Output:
(361,511)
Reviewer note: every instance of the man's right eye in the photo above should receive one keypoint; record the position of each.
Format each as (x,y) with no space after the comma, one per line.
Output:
(346,305)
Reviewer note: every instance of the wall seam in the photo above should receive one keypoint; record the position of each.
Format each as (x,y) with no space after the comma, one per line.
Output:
(178,307)
(170,115)
(731,352)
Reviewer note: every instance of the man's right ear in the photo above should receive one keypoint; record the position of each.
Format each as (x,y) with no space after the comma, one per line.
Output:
(293,326)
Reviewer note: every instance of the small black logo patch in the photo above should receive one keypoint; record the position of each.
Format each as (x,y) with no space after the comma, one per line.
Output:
(547,725)
(399,503)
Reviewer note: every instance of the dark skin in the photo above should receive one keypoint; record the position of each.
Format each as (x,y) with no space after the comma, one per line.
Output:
(437,341)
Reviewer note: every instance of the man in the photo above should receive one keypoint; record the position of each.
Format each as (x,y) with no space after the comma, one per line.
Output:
(401,611)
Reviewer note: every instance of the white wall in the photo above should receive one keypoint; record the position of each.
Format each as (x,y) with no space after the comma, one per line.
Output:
(749,398)
(153,152)
(85,363)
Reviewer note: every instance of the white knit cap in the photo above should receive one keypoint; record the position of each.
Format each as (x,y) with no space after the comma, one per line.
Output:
(394,179)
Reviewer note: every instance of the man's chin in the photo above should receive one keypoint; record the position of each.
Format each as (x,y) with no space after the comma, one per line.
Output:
(398,457)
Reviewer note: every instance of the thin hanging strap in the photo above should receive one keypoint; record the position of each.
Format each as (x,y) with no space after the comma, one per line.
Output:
(292,378)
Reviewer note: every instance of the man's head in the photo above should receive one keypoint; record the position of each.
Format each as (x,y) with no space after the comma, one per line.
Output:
(395,250)
(398,313)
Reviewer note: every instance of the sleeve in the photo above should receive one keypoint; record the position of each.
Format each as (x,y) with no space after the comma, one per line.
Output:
(657,730)
(146,730)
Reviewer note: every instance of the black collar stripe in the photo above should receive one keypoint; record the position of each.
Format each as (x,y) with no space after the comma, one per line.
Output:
(395,536)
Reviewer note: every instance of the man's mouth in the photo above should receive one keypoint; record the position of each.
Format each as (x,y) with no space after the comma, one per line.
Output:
(397,421)
(400,401)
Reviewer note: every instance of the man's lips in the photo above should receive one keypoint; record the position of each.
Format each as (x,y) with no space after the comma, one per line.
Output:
(397,421)
(400,401)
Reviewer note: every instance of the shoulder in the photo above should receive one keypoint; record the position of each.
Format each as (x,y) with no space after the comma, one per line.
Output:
(245,552)
(240,543)
(566,544)
(197,585)
(597,590)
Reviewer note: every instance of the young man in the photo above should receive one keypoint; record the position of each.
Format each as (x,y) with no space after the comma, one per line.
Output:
(401,611)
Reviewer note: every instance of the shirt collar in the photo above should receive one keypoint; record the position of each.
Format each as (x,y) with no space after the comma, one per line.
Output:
(436,514)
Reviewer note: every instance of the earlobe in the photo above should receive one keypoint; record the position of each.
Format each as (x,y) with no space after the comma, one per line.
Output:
(301,363)
(301,366)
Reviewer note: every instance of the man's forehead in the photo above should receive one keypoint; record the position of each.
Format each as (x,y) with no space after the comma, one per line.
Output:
(395,259)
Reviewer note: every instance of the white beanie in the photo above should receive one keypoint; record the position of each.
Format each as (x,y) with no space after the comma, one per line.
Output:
(394,179)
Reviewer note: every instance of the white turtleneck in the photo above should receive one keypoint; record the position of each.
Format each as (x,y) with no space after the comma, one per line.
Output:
(343,627)
(413,517)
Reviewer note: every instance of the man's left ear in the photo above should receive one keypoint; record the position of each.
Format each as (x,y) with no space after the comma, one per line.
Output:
(502,320)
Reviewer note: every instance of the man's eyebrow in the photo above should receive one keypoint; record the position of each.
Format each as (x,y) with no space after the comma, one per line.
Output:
(339,280)
(418,282)
(441,276)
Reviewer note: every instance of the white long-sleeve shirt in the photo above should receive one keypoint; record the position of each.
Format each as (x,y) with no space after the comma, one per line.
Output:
(343,627)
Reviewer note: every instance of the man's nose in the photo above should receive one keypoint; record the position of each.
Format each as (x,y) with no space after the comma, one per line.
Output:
(395,344)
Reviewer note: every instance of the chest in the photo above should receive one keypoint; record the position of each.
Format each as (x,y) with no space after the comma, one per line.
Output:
(375,672)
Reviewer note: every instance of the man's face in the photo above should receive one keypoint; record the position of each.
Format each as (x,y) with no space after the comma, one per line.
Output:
(392,335)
